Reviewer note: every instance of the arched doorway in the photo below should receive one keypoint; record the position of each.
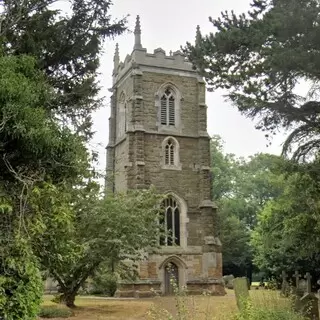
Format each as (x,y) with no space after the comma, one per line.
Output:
(171,278)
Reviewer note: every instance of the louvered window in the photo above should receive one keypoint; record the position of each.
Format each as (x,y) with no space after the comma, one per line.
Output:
(163,110)
(167,108)
(170,220)
(169,153)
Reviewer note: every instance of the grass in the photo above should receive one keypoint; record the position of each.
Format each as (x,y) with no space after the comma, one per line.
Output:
(198,307)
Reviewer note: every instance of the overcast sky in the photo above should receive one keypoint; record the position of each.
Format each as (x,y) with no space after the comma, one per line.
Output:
(169,24)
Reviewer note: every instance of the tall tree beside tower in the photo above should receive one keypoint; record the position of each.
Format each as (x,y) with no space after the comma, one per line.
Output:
(49,61)
(259,58)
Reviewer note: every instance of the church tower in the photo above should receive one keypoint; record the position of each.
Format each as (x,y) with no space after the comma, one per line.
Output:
(158,136)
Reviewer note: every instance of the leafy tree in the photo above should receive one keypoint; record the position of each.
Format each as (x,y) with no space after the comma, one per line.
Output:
(223,169)
(49,63)
(260,58)
(286,237)
(20,280)
(33,147)
(234,235)
(113,229)
(66,46)
(259,180)
(235,239)
(241,188)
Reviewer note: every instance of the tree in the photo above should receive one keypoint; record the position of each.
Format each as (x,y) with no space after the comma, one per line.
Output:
(241,188)
(233,233)
(33,147)
(49,64)
(113,229)
(235,239)
(66,46)
(286,237)
(223,169)
(260,58)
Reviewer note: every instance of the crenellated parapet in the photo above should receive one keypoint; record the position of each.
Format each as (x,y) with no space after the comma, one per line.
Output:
(140,58)
(158,59)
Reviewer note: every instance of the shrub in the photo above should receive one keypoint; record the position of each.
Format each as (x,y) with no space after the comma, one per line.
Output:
(21,286)
(104,283)
(55,312)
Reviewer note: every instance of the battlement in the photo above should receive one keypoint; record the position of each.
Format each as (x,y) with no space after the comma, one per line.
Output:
(141,59)
(158,59)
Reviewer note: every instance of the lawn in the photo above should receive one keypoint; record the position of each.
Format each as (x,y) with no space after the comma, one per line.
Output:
(93,308)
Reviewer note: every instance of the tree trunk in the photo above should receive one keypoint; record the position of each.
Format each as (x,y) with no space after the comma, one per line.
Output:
(68,299)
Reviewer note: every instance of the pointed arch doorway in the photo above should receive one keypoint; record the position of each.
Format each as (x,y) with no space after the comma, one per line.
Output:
(171,278)
(173,267)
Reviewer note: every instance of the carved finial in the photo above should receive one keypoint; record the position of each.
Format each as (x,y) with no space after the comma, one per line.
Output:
(116,59)
(198,36)
(137,35)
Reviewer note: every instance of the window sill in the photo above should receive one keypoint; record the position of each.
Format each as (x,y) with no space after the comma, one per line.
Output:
(168,129)
(168,167)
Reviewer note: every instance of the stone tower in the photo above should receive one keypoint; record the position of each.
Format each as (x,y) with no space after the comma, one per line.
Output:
(158,136)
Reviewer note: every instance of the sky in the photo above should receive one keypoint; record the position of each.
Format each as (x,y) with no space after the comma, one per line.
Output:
(169,24)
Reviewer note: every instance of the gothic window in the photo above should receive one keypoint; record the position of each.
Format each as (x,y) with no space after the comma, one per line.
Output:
(170,220)
(169,153)
(167,108)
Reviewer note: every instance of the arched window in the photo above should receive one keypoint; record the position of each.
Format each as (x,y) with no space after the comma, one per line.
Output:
(169,153)
(170,220)
(167,108)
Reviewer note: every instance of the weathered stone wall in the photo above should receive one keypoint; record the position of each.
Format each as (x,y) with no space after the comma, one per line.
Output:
(189,106)
(120,163)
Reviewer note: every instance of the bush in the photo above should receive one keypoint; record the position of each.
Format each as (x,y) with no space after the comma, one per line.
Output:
(104,283)
(55,312)
(21,286)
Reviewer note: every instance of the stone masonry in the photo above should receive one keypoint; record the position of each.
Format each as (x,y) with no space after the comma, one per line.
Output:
(138,156)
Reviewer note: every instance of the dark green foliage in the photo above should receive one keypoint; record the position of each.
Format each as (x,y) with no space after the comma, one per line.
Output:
(241,188)
(260,58)
(104,283)
(286,237)
(57,311)
(21,286)
(33,145)
(67,47)
(48,91)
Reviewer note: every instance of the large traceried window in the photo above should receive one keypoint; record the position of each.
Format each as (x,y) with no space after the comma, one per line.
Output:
(170,220)
(167,108)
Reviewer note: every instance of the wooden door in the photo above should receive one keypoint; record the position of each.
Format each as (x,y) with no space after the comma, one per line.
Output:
(171,278)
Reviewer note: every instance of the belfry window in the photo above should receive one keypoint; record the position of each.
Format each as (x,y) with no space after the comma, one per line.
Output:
(170,220)
(167,108)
